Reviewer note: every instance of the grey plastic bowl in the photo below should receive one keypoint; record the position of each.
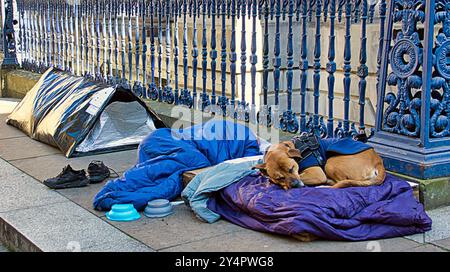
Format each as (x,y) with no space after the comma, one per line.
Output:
(158,208)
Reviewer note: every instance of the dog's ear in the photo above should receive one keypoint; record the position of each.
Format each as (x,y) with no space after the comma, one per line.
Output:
(261,167)
(294,153)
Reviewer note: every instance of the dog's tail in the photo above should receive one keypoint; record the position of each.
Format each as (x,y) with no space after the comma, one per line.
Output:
(379,174)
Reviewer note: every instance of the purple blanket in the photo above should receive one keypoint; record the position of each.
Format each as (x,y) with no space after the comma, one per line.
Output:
(355,214)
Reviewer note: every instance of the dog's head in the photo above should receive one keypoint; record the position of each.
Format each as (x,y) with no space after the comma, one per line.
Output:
(280,165)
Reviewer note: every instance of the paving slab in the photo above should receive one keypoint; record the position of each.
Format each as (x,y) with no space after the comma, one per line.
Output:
(20,191)
(248,240)
(3,249)
(50,221)
(83,196)
(44,167)
(426,248)
(67,227)
(7,131)
(440,228)
(180,228)
(118,246)
(24,147)
(444,243)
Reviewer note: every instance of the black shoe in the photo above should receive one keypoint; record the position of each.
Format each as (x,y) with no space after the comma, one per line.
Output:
(68,178)
(98,172)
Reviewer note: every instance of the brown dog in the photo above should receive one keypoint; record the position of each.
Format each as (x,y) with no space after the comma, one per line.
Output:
(281,166)
(363,169)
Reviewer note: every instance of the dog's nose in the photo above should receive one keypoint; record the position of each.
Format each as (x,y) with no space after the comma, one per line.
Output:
(297,183)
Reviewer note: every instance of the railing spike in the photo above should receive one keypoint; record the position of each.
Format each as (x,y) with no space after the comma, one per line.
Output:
(115,13)
(253,59)
(82,38)
(304,66)
(382,13)
(152,89)
(213,52)
(168,95)
(223,100)
(73,41)
(76,38)
(317,67)
(264,115)
(331,68)
(20,46)
(93,40)
(110,77)
(26,63)
(175,9)
(347,68)
(98,75)
(288,121)
(159,12)
(137,86)
(194,55)
(185,95)
(204,99)
(233,55)
(243,113)
(363,70)
(49,37)
(277,57)
(130,44)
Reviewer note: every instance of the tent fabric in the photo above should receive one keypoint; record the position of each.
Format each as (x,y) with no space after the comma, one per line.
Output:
(165,154)
(353,214)
(61,110)
(120,124)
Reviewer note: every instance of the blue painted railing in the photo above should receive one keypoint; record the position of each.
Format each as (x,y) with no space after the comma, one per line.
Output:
(413,117)
(245,51)
(147,46)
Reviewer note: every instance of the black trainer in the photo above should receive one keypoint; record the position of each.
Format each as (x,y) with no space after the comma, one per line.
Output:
(68,178)
(98,172)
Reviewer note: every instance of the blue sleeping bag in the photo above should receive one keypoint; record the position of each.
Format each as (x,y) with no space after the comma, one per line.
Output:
(165,154)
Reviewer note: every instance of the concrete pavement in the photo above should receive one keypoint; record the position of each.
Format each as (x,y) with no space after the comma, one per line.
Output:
(42,219)
(3,249)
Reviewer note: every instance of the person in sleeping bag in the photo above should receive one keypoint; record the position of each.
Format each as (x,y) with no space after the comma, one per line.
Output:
(165,154)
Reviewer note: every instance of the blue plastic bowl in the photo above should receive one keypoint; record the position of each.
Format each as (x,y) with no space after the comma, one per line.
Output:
(123,213)
(158,208)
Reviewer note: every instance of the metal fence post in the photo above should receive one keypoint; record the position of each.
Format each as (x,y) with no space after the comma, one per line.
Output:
(204,97)
(9,40)
(185,95)
(413,113)
(331,68)
(223,100)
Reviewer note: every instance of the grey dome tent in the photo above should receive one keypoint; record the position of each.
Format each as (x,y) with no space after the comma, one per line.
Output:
(82,117)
